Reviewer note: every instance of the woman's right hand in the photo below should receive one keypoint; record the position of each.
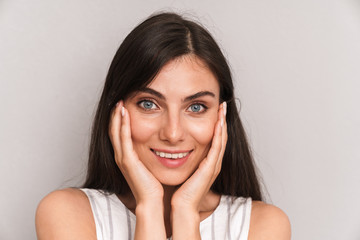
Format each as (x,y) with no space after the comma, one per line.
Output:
(147,190)
(144,186)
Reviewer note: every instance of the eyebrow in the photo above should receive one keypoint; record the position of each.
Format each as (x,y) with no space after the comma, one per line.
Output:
(187,99)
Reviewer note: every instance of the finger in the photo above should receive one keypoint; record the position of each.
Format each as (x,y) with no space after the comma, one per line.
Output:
(125,135)
(224,130)
(224,135)
(218,153)
(223,138)
(212,158)
(114,127)
(213,154)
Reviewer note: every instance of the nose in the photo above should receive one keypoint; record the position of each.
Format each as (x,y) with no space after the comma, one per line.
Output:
(172,129)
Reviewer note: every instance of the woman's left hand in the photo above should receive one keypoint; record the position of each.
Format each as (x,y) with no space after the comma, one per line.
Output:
(186,200)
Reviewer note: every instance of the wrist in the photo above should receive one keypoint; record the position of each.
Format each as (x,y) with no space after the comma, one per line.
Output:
(150,220)
(184,213)
(153,207)
(185,224)
(185,217)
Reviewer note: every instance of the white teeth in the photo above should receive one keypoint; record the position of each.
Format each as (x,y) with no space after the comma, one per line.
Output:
(171,155)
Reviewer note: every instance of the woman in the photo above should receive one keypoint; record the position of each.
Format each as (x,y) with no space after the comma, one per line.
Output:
(168,154)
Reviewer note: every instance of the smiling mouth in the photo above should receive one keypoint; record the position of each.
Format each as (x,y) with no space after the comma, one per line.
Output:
(171,155)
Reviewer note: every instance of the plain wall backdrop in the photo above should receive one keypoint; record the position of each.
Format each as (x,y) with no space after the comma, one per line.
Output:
(296,66)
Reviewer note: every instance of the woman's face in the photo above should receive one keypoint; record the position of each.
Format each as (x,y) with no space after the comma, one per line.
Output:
(173,119)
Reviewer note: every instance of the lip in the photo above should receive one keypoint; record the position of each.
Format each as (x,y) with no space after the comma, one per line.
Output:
(171,163)
(170,151)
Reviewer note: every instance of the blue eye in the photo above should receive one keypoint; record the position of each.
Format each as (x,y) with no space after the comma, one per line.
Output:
(197,108)
(147,105)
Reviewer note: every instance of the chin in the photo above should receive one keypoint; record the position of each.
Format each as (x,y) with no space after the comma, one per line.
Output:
(173,179)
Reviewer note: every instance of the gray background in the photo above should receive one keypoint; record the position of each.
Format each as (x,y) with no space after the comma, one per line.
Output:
(296,67)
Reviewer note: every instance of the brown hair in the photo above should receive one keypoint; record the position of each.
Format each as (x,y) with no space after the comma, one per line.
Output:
(143,53)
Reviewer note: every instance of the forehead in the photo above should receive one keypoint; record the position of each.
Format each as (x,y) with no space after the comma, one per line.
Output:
(184,76)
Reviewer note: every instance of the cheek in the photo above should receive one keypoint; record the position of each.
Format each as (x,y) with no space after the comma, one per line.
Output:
(142,129)
(203,131)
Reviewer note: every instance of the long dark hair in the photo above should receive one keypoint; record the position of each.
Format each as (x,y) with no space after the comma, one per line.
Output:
(153,43)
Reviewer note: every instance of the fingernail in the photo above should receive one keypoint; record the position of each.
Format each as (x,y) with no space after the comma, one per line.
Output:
(222,121)
(119,103)
(224,106)
(122,111)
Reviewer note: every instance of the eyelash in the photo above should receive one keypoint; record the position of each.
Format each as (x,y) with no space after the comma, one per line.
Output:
(200,104)
(139,103)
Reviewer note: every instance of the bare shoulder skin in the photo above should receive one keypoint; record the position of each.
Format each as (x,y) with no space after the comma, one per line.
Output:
(268,222)
(65,214)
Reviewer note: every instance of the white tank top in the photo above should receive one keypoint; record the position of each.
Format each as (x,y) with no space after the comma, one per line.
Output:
(229,221)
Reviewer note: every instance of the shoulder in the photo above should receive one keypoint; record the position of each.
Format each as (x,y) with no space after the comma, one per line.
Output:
(268,222)
(65,214)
